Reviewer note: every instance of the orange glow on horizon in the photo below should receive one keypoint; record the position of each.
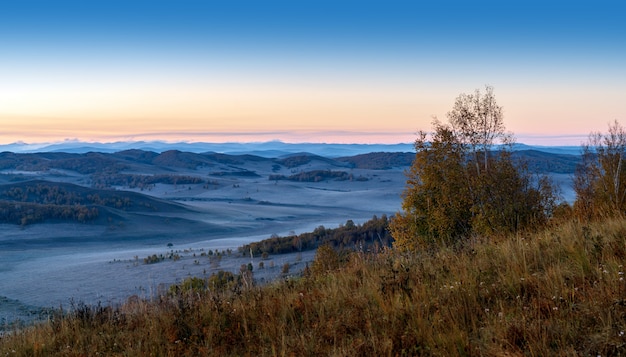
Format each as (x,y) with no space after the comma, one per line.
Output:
(238,112)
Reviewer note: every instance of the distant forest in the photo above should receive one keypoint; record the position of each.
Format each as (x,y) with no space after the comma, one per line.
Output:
(317,176)
(371,234)
(142,181)
(38,201)
(29,213)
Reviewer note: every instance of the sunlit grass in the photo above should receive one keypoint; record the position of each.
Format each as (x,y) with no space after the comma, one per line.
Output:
(557,292)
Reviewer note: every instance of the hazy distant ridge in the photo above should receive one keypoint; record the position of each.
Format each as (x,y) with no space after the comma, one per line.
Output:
(270,149)
(264,149)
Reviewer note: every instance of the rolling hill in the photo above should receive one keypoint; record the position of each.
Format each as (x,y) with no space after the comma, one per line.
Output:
(89,186)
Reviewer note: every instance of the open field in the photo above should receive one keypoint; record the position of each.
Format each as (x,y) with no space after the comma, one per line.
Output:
(50,264)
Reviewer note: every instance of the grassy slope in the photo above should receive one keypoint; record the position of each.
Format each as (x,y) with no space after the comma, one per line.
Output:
(558,292)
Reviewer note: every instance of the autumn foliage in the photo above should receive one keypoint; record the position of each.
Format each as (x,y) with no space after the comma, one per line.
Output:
(557,292)
(600,180)
(460,185)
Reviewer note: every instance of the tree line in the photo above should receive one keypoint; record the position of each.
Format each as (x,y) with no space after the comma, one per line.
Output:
(51,194)
(373,233)
(317,176)
(600,179)
(24,213)
(37,202)
(142,181)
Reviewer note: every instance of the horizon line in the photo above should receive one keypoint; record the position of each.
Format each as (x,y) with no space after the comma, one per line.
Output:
(283,136)
(278,141)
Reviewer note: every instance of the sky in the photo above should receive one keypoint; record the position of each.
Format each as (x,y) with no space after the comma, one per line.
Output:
(305,71)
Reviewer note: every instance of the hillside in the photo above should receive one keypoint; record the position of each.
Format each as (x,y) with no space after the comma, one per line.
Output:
(67,217)
(94,208)
(380,160)
(39,201)
(543,162)
(556,292)
(171,161)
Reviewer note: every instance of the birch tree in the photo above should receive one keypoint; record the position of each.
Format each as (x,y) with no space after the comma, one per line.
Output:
(477,120)
(600,179)
(459,186)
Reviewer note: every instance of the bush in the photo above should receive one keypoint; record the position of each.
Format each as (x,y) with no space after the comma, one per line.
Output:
(458,187)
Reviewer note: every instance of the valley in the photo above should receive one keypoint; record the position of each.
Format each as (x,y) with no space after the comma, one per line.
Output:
(177,204)
(171,202)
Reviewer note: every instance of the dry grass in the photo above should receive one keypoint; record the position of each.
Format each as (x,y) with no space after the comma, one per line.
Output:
(559,292)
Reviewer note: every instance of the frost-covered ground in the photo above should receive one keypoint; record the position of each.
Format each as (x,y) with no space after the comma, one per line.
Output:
(56,277)
(51,265)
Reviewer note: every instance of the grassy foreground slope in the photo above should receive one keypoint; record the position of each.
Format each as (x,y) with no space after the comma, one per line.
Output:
(558,292)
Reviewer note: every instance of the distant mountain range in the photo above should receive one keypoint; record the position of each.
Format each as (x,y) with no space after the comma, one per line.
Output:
(270,149)
(264,149)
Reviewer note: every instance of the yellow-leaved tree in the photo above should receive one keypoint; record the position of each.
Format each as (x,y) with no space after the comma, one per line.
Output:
(464,180)
(600,179)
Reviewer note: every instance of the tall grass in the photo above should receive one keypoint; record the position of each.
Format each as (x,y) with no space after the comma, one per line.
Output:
(558,292)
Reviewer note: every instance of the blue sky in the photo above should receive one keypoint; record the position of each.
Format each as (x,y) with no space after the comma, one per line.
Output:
(340,71)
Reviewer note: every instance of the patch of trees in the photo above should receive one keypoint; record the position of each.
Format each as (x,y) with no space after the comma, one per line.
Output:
(137,155)
(25,213)
(85,164)
(176,158)
(90,163)
(43,194)
(538,161)
(226,159)
(317,176)
(600,179)
(152,259)
(349,236)
(244,173)
(380,160)
(294,161)
(459,187)
(51,194)
(9,160)
(58,193)
(142,181)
